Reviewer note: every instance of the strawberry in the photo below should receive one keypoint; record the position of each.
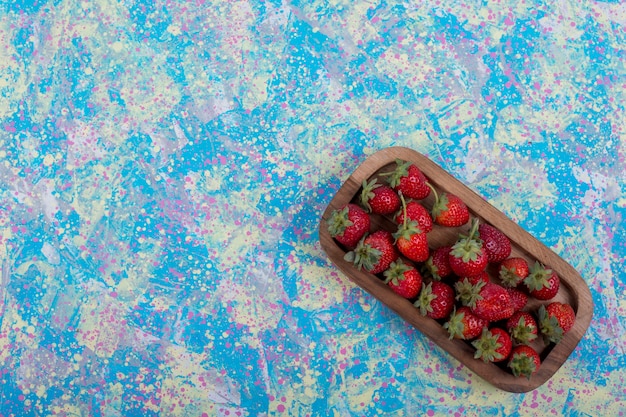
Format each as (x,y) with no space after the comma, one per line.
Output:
(409,180)
(487,300)
(436,300)
(524,361)
(493,345)
(522,327)
(555,320)
(542,283)
(467,257)
(415,212)
(475,279)
(378,198)
(438,265)
(403,279)
(519,299)
(495,243)
(449,210)
(513,271)
(374,252)
(411,241)
(465,325)
(348,224)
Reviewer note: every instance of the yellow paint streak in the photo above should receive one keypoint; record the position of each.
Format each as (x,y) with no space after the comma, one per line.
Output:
(228,234)
(319,289)
(68,409)
(358,26)
(256,93)
(238,56)
(526,180)
(41,391)
(189,388)
(511,133)
(12,325)
(298,396)
(356,393)
(133,285)
(92,202)
(149,93)
(13,80)
(410,65)
(100,325)
(249,307)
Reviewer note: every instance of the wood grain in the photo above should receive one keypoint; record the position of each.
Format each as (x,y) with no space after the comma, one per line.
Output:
(573,288)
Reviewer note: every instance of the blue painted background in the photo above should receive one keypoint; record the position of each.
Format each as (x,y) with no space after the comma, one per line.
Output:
(164,166)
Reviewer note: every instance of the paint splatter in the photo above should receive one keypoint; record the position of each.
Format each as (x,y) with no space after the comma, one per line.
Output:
(164,166)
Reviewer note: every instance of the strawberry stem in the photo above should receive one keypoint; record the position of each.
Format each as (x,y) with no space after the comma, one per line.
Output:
(468,246)
(434,192)
(473,229)
(471,239)
(403,209)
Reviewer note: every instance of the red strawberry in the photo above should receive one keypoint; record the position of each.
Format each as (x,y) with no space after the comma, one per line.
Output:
(348,224)
(495,243)
(416,212)
(542,283)
(463,324)
(411,241)
(379,198)
(436,300)
(449,210)
(513,271)
(524,361)
(493,345)
(519,299)
(522,327)
(438,265)
(467,257)
(403,279)
(487,300)
(409,180)
(555,320)
(374,252)
(475,279)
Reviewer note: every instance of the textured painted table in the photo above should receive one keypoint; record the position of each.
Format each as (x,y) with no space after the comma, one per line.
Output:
(164,166)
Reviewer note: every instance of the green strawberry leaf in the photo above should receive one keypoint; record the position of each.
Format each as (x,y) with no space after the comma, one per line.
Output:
(395,272)
(367,192)
(509,276)
(486,347)
(522,333)
(467,249)
(454,325)
(467,293)
(364,256)
(538,277)
(406,230)
(549,327)
(338,222)
(522,365)
(425,299)
(430,269)
(401,171)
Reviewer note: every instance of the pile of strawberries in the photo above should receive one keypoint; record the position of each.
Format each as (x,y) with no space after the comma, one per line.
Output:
(474,288)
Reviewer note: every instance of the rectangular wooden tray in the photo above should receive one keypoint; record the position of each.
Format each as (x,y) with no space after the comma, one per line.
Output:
(573,288)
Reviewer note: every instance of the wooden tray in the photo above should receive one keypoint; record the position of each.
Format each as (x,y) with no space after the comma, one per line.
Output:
(573,288)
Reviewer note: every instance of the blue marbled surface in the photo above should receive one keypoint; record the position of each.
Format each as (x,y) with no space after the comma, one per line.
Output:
(164,166)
